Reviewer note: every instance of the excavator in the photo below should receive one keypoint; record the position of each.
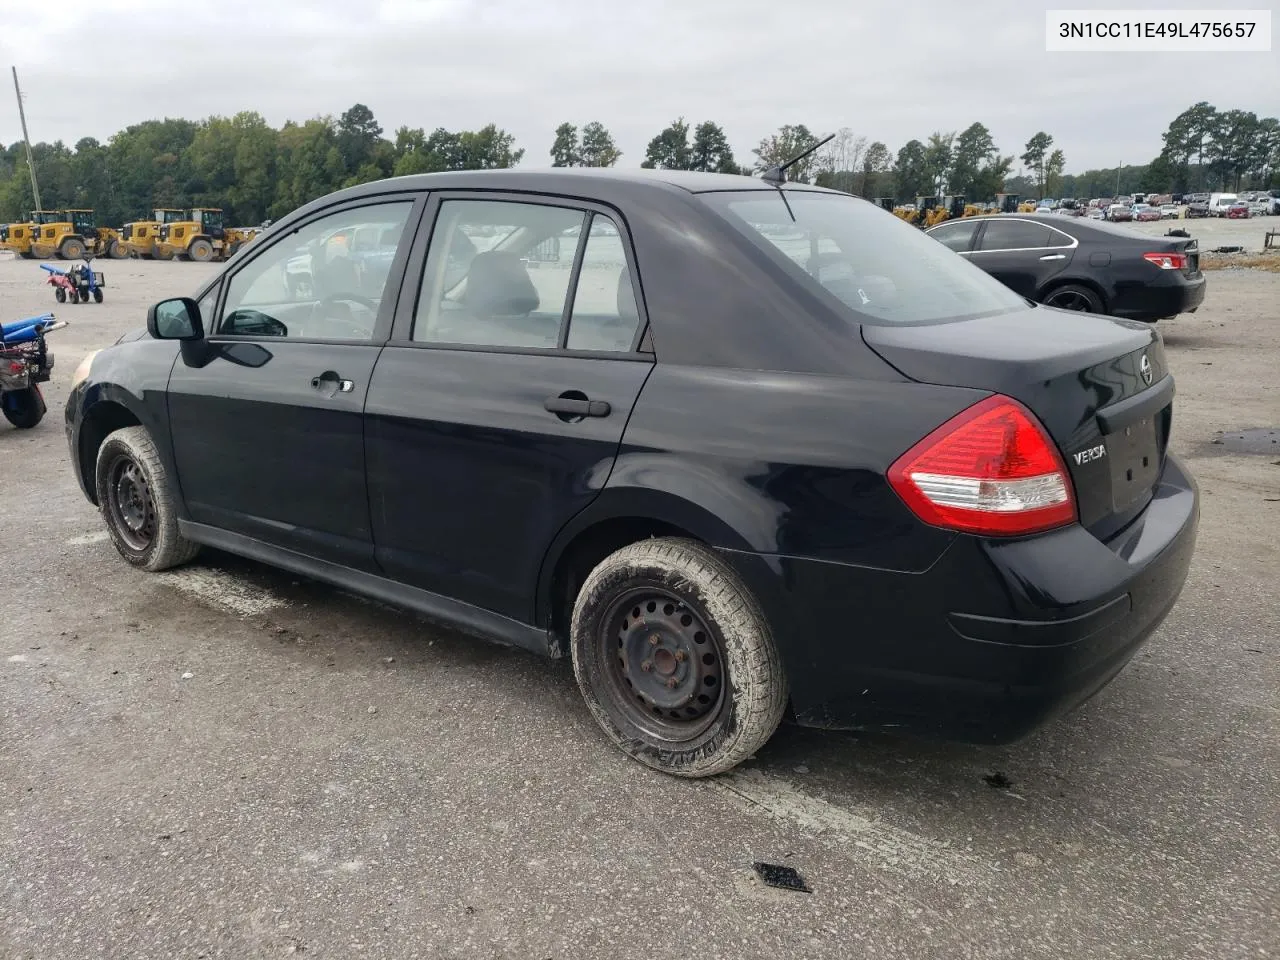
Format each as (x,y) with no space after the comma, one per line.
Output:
(200,237)
(74,234)
(140,236)
(19,237)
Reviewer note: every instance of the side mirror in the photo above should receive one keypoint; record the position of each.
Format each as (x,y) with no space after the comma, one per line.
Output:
(176,319)
(179,319)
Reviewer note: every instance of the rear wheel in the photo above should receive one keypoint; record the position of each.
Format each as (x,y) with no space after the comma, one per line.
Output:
(71,249)
(1074,296)
(675,659)
(97,295)
(138,503)
(201,251)
(23,408)
(162,254)
(60,295)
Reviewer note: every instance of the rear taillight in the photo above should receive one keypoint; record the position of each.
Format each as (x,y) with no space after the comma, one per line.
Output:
(990,470)
(1167,261)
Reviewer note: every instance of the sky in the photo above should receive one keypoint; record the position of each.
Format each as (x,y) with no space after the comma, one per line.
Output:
(890,70)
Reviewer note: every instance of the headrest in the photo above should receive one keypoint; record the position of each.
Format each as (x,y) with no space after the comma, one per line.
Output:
(627,308)
(498,285)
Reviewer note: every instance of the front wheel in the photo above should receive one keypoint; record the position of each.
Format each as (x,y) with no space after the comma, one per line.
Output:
(138,502)
(23,408)
(97,295)
(1074,296)
(675,659)
(201,251)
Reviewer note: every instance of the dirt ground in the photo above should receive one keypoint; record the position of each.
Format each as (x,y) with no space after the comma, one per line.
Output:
(227,761)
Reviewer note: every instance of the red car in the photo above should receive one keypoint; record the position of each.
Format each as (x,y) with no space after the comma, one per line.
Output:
(1143,213)
(1238,211)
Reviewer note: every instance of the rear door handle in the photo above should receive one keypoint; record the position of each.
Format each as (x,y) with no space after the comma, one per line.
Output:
(1055,256)
(574,407)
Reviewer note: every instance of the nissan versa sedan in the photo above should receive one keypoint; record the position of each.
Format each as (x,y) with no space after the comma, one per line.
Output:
(1082,265)
(740,449)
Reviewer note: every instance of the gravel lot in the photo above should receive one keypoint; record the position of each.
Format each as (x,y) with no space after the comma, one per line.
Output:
(227,761)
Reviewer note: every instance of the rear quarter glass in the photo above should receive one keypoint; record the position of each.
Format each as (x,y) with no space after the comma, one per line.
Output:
(878,268)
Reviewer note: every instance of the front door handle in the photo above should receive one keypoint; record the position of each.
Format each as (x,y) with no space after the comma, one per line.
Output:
(330,383)
(569,405)
(1055,256)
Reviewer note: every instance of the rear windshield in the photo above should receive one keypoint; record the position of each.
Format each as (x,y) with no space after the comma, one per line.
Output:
(879,267)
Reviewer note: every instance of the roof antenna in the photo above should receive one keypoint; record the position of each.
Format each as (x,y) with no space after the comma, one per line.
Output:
(778,174)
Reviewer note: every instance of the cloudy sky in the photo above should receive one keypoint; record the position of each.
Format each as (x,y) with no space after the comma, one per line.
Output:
(889,69)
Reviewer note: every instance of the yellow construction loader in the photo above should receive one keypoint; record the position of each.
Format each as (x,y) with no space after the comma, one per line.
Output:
(20,237)
(140,236)
(74,234)
(201,237)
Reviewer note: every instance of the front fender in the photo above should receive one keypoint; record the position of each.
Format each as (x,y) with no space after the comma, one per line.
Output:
(125,384)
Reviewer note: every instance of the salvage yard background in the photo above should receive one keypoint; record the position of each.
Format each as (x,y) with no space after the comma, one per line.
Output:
(228,761)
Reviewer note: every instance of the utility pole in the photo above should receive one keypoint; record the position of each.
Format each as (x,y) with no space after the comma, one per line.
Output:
(1118,169)
(31,164)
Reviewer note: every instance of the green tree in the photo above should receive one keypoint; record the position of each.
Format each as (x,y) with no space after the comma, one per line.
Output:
(877,165)
(974,150)
(670,149)
(566,151)
(1034,157)
(937,160)
(1053,167)
(911,171)
(598,147)
(789,142)
(358,134)
(711,152)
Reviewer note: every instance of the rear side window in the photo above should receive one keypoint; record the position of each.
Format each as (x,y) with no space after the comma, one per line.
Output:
(605,314)
(878,267)
(498,274)
(1014,235)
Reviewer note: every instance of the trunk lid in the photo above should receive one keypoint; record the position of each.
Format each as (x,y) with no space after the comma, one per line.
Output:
(1084,376)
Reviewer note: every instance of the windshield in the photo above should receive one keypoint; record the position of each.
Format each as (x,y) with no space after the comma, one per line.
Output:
(879,267)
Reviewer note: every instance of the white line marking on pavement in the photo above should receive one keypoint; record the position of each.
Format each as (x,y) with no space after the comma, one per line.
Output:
(18,658)
(894,849)
(83,541)
(223,591)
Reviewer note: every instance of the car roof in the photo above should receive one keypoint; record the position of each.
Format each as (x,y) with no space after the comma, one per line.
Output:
(568,178)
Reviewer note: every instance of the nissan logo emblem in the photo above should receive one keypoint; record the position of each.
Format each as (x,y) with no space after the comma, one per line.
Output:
(1144,367)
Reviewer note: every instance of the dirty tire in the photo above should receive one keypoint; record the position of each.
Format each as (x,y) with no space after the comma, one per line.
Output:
(1074,296)
(24,408)
(97,296)
(753,693)
(60,295)
(71,249)
(201,251)
(117,250)
(127,464)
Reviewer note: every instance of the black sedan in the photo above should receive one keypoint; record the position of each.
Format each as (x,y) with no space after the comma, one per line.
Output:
(733,447)
(1082,264)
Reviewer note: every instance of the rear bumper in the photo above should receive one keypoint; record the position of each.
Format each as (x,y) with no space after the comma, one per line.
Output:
(1167,294)
(994,640)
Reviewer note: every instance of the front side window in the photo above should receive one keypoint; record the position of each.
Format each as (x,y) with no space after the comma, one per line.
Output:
(879,267)
(312,284)
(498,274)
(958,235)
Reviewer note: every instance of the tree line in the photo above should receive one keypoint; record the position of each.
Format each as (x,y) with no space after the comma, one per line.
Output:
(255,171)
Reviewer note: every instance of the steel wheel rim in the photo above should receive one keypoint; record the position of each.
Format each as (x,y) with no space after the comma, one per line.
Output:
(665,666)
(132,506)
(1070,300)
